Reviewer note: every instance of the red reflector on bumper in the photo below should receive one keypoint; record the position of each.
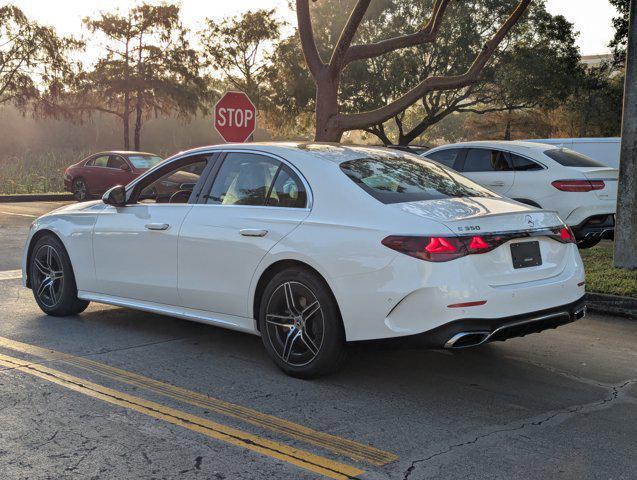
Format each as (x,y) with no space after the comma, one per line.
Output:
(467,304)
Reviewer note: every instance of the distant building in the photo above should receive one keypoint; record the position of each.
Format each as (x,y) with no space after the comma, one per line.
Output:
(593,61)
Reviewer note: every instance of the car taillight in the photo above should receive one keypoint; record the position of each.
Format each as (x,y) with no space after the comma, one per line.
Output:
(432,249)
(566,235)
(578,185)
(443,249)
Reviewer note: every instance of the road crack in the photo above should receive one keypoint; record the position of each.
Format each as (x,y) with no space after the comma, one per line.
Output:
(614,392)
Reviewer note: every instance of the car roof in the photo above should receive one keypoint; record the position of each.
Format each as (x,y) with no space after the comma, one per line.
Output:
(331,152)
(511,145)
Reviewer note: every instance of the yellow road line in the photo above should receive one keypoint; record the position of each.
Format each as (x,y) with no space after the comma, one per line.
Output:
(338,445)
(300,458)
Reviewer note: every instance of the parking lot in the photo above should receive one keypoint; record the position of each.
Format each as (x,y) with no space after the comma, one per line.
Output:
(116,393)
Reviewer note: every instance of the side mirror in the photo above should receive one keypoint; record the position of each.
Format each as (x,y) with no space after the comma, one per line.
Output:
(115,196)
(125,167)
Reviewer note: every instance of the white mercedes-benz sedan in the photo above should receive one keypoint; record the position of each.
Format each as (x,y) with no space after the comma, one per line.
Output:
(312,246)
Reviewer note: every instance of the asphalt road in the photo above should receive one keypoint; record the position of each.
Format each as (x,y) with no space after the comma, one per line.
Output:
(115,393)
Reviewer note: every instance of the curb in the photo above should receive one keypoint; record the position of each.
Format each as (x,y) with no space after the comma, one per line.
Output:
(36,197)
(612,304)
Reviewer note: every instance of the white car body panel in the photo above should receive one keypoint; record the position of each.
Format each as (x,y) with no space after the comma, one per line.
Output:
(535,185)
(201,268)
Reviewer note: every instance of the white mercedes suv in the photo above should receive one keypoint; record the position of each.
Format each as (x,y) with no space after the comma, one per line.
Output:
(581,190)
(311,246)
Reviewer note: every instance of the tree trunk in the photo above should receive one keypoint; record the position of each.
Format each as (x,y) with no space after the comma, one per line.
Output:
(126,98)
(139,98)
(327,127)
(626,225)
(138,122)
(507,130)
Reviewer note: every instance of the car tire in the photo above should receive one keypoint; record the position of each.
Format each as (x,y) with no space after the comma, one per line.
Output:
(588,243)
(52,279)
(80,189)
(300,324)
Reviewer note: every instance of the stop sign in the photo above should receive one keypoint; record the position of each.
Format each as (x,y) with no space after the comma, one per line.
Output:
(235,117)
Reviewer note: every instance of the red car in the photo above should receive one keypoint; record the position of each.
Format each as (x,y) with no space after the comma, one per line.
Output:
(101,171)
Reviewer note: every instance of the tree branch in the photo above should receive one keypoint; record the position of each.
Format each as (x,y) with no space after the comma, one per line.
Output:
(380,115)
(306,33)
(425,35)
(347,35)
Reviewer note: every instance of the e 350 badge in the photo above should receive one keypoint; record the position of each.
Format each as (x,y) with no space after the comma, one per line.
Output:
(469,228)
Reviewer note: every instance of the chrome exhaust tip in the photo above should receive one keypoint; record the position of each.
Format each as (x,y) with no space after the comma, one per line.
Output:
(467,339)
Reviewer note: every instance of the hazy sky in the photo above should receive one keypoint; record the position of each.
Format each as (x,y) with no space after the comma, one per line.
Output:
(592,18)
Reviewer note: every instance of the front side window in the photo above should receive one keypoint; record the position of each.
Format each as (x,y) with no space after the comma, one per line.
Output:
(396,179)
(446,157)
(174,185)
(244,179)
(571,158)
(486,160)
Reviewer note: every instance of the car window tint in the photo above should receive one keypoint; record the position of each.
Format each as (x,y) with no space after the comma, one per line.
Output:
(175,185)
(142,162)
(395,179)
(446,157)
(523,164)
(244,179)
(115,161)
(485,160)
(101,161)
(571,158)
(288,190)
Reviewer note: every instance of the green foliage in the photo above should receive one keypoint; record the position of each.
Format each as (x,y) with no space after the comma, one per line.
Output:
(236,48)
(34,62)
(148,68)
(620,23)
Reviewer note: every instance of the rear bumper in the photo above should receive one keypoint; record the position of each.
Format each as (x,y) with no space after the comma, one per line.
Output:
(471,332)
(597,226)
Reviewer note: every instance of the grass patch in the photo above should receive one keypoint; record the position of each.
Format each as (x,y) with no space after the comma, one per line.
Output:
(36,172)
(602,277)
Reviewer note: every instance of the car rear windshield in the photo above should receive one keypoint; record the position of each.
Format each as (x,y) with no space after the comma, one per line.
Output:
(571,158)
(145,161)
(396,179)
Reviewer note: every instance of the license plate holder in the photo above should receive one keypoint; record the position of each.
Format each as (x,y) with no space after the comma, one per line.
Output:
(526,254)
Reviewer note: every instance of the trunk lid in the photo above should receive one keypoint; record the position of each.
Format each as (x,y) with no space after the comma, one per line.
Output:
(484,216)
(609,176)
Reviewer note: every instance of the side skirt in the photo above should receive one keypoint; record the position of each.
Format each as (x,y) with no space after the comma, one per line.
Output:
(232,322)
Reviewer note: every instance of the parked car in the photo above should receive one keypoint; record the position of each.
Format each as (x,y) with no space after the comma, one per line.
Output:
(97,173)
(581,190)
(605,150)
(311,246)
(417,149)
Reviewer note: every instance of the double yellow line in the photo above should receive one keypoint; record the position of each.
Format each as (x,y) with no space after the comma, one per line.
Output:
(301,458)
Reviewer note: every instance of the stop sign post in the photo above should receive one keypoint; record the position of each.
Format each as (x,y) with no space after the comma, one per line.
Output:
(235,117)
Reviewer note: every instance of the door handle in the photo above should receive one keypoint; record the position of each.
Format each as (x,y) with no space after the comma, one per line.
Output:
(251,232)
(157,226)
(496,184)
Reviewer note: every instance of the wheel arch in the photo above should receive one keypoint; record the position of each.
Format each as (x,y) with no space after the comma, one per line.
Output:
(34,239)
(277,267)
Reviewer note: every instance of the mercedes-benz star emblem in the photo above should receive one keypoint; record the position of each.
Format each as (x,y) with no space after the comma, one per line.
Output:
(529,221)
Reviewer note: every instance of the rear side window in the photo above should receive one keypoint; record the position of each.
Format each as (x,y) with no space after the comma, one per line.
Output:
(396,179)
(524,164)
(571,158)
(485,160)
(100,161)
(288,191)
(446,157)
